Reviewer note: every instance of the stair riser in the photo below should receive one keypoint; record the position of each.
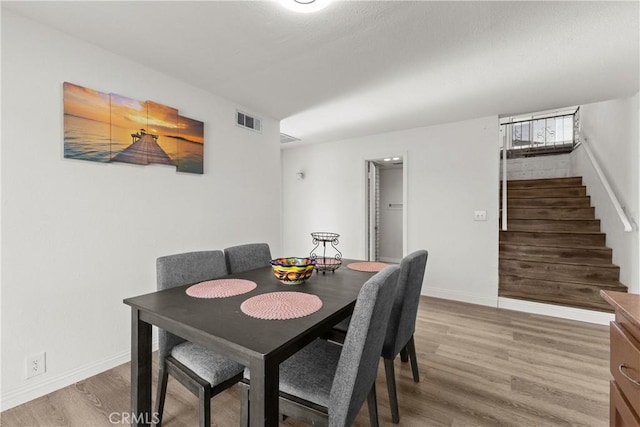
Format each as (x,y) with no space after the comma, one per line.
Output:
(596,256)
(572,294)
(547,202)
(528,183)
(553,225)
(541,238)
(553,271)
(547,192)
(550,213)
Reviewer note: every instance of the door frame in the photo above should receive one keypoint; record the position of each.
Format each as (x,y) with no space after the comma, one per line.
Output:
(365,198)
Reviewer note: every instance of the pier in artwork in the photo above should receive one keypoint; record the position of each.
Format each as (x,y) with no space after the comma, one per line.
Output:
(145,150)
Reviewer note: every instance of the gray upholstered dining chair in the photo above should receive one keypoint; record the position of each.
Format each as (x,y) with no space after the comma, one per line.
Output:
(402,324)
(325,383)
(247,257)
(201,371)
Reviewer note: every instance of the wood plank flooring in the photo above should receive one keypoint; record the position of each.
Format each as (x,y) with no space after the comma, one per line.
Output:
(479,366)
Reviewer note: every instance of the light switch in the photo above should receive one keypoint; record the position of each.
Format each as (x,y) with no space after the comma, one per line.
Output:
(479,215)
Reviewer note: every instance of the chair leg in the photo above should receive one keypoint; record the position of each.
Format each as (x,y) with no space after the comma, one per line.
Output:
(204,396)
(411,349)
(163,376)
(391,388)
(404,355)
(372,403)
(244,405)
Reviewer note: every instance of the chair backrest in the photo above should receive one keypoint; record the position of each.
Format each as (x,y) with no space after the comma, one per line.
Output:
(358,365)
(185,269)
(402,322)
(247,257)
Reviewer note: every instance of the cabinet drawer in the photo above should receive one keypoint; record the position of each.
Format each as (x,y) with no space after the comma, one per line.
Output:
(625,364)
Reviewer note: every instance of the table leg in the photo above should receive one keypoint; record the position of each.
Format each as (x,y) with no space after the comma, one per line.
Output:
(140,371)
(263,394)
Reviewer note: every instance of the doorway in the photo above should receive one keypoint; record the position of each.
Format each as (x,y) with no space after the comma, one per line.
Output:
(385,209)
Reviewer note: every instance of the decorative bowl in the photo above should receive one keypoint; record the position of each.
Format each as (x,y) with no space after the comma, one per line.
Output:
(293,270)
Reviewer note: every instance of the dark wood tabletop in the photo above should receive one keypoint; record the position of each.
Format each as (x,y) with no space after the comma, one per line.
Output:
(220,325)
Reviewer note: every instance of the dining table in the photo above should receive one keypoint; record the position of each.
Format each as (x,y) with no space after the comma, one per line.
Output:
(219,324)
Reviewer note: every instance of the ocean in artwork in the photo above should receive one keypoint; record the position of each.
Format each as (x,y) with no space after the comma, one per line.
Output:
(87,139)
(190,156)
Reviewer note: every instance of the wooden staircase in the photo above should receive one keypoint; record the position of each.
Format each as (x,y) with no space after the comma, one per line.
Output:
(553,251)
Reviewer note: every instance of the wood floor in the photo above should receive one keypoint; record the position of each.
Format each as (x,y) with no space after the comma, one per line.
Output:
(479,366)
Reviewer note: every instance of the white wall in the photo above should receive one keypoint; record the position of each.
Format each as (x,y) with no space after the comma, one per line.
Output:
(391,216)
(555,166)
(452,170)
(611,130)
(78,237)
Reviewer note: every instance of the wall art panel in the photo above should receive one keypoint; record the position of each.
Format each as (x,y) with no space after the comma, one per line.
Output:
(108,128)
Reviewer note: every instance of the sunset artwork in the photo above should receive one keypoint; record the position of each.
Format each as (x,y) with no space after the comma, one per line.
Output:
(106,128)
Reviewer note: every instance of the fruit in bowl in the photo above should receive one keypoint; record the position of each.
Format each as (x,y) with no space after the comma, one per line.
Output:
(293,270)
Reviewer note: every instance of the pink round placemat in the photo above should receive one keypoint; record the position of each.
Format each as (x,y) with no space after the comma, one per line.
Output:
(281,305)
(221,288)
(369,267)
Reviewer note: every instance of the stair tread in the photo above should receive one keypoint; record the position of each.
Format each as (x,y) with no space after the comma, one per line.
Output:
(548,179)
(548,202)
(557,301)
(552,228)
(552,207)
(577,261)
(555,260)
(547,196)
(562,178)
(613,284)
(549,212)
(552,232)
(546,245)
(522,218)
(547,187)
(554,219)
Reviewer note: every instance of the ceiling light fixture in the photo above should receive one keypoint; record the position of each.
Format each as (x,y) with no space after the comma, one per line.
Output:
(305,6)
(388,159)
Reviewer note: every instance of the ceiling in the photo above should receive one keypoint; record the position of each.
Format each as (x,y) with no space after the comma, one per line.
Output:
(363,67)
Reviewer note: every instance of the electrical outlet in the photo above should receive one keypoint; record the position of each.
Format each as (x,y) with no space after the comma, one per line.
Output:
(36,364)
(480,215)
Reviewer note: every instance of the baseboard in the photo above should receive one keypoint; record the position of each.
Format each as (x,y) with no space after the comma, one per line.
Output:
(589,316)
(20,395)
(391,260)
(460,296)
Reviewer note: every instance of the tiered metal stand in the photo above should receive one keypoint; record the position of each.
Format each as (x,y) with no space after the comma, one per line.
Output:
(324,263)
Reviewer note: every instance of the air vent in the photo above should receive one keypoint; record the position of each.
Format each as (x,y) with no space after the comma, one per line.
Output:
(248,121)
(284,138)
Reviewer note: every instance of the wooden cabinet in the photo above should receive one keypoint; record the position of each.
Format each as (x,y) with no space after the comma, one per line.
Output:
(625,359)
